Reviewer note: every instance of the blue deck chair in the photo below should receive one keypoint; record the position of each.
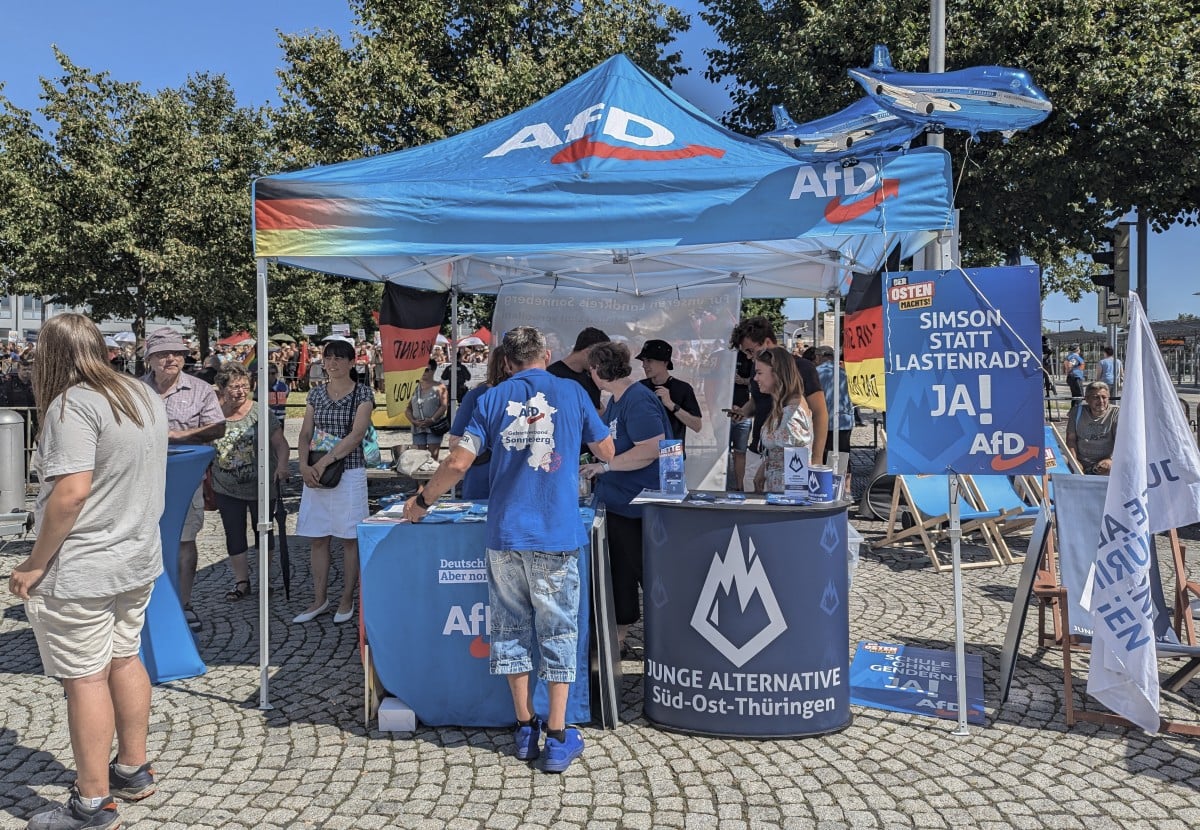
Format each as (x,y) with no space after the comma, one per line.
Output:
(1059,462)
(996,492)
(926,499)
(1076,515)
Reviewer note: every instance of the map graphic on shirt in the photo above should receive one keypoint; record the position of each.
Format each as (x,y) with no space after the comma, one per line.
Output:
(532,429)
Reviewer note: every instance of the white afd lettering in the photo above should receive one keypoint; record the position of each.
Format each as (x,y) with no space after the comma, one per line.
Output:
(620,124)
(617,125)
(835,180)
(473,624)
(535,135)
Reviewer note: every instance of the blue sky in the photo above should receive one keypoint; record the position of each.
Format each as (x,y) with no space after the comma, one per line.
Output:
(160,43)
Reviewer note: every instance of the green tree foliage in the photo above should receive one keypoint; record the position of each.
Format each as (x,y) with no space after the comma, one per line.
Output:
(419,70)
(134,205)
(299,298)
(24,162)
(1123,75)
(771,309)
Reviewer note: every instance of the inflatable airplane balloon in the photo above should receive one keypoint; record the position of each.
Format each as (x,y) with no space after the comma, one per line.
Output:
(977,99)
(858,130)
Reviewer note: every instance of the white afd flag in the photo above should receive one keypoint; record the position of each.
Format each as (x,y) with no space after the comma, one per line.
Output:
(1154,486)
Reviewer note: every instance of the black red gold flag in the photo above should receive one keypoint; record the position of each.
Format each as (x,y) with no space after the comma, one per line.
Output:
(862,339)
(409,320)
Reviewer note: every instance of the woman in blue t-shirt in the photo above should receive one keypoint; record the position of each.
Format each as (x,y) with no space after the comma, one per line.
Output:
(637,421)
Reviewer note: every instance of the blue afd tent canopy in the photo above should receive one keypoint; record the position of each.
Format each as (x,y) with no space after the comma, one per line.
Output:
(613,182)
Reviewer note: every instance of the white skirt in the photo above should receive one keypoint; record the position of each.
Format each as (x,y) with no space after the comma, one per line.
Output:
(336,511)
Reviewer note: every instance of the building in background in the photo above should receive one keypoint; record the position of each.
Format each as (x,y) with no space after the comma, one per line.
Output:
(21,317)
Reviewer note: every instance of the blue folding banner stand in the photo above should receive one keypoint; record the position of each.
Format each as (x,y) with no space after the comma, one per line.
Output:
(168,649)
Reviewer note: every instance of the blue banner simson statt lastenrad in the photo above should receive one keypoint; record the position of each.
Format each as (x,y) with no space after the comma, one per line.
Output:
(964,384)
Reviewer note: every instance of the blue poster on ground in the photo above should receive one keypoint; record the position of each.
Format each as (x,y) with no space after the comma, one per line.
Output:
(963,381)
(920,681)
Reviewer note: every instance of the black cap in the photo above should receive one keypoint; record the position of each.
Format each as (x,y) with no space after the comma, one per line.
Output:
(590,337)
(657,350)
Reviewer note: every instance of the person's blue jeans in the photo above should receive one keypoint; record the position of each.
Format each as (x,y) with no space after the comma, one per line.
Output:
(534,592)
(739,434)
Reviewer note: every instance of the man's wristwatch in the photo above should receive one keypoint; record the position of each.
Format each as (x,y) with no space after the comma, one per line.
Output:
(674,409)
(421,503)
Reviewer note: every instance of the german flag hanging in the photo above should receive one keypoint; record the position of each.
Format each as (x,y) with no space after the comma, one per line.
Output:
(862,338)
(408,327)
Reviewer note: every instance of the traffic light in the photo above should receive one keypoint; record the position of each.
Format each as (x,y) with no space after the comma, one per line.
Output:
(1117,257)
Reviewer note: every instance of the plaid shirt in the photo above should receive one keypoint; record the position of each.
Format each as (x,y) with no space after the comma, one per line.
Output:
(190,403)
(337,417)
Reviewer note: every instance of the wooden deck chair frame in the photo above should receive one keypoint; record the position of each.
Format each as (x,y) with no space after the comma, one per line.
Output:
(927,530)
(1010,519)
(1038,486)
(1185,589)
(1072,642)
(1047,577)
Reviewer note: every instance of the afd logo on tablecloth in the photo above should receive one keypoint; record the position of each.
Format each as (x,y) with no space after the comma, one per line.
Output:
(737,612)
(474,622)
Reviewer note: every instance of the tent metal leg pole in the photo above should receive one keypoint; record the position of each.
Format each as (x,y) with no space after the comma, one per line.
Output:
(834,452)
(264,496)
(453,392)
(960,650)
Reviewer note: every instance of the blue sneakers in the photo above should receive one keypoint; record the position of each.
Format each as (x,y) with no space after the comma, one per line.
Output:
(527,738)
(560,754)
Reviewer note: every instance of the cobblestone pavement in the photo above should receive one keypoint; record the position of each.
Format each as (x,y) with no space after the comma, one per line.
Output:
(310,763)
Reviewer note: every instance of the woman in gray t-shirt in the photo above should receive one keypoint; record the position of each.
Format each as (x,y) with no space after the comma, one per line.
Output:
(102,454)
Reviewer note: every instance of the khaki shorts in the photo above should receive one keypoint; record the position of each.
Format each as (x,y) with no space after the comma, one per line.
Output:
(195,517)
(80,637)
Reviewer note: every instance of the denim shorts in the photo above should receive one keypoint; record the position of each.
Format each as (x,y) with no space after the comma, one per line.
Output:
(534,592)
(739,434)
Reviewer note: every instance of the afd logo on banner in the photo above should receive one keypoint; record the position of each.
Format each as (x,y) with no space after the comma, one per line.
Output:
(737,612)
(963,382)
(623,135)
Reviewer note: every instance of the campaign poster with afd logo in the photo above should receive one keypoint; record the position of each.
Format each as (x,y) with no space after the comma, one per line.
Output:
(963,382)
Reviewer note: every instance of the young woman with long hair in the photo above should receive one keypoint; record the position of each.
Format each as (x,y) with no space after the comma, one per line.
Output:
(789,423)
(102,462)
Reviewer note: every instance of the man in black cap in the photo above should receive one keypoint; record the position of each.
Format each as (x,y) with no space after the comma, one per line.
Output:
(575,365)
(677,396)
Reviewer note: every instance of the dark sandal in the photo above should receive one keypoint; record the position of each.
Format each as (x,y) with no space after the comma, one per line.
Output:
(237,592)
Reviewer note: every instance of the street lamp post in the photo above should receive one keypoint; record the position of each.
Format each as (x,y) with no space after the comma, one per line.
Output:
(1060,322)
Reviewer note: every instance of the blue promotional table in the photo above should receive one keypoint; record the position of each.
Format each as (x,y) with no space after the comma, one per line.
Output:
(168,648)
(746,617)
(425,612)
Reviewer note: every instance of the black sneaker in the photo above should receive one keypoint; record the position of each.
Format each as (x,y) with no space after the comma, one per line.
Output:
(73,815)
(131,787)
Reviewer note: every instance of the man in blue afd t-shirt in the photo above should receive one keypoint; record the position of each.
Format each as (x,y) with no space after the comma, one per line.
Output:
(533,424)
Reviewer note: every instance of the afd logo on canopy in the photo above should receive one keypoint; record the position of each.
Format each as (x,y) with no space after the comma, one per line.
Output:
(737,612)
(630,137)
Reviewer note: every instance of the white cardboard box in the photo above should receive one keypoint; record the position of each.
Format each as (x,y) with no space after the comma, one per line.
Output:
(395,716)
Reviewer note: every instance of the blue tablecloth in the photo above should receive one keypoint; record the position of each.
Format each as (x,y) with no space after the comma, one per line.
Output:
(168,649)
(425,610)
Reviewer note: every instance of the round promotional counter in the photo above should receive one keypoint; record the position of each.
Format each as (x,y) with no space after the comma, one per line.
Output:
(747,626)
